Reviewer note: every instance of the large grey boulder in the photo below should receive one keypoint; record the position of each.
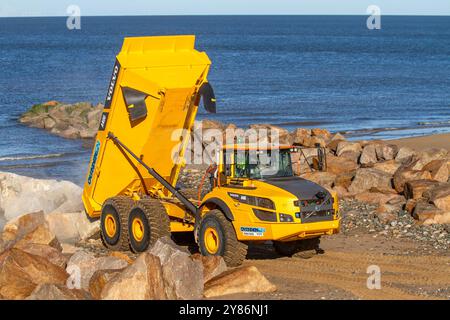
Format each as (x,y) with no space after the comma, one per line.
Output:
(20,194)
(386,151)
(72,227)
(368,155)
(347,146)
(83,264)
(405,154)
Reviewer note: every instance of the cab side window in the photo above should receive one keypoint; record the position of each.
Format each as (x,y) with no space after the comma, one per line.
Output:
(227,162)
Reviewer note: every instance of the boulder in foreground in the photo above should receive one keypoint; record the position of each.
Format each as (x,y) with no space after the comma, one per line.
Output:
(21,272)
(50,291)
(86,264)
(143,280)
(239,280)
(99,279)
(183,276)
(72,227)
(29,229)
(212,266)
(52,254)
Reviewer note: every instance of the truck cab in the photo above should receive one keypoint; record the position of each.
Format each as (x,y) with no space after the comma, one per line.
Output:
(257,191)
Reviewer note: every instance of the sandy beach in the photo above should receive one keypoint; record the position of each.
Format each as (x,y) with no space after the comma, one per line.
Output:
(424,142)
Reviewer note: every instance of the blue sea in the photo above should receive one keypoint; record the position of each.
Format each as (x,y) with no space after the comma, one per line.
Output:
(292,71)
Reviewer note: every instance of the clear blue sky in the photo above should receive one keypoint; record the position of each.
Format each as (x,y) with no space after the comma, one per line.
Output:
(10,8)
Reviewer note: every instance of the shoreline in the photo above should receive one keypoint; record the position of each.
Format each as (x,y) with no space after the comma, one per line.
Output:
(440,140)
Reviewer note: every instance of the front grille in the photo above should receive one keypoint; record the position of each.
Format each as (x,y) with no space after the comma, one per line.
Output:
(316,216)
(312,203)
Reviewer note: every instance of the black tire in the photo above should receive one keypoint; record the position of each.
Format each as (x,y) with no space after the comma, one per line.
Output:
(308,248)
(305,249)
(286,249)
(155,224)
(117,209)
(229,247)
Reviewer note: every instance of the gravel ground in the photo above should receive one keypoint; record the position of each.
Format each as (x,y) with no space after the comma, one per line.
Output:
(360,217)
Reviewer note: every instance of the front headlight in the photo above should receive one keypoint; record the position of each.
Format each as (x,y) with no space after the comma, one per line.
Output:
(253,201)
(264,215)
(286,218)
(264,203)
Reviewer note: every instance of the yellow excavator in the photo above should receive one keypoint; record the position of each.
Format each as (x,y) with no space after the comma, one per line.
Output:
(155,91)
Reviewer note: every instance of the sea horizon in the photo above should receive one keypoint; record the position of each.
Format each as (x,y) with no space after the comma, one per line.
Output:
(232,15)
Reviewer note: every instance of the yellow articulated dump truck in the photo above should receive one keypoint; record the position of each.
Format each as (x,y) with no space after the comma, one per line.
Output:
(155,90)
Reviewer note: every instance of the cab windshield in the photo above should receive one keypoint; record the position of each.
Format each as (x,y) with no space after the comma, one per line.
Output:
(262,164)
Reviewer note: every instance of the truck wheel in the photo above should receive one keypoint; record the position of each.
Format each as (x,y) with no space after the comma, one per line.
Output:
(114,222)
(217,238)
(148,221)
(304,249)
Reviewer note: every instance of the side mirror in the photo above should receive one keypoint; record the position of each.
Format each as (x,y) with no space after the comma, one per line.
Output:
(208,97)
(321,157)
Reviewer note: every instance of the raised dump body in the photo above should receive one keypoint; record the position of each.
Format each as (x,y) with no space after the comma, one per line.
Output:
(153,95)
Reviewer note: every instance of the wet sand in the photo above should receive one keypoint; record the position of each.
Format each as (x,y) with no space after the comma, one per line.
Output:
(425,142)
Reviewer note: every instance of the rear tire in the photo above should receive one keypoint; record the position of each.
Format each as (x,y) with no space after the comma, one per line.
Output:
(305,249)
(148,221)
(114,222)
(217,238)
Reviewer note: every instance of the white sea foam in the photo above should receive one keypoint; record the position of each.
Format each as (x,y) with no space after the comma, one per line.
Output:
(31,157)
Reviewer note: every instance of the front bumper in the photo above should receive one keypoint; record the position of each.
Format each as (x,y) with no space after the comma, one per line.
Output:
(286,231)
